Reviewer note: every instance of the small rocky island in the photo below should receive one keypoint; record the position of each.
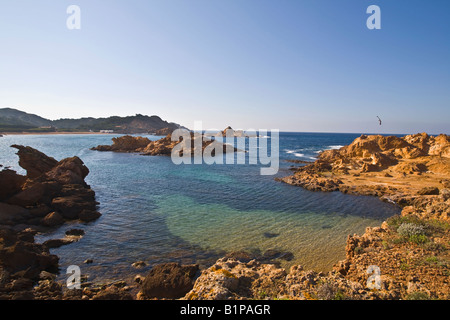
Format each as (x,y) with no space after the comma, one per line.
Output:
(162,146)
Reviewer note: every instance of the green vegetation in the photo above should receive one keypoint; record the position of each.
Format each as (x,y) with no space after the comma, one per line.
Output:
(412,232)
(434,261)
(12,120)
(11,128)
(431,225)
(412,229)
(404,265)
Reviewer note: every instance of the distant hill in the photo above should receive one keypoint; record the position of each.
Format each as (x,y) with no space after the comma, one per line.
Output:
(12,120)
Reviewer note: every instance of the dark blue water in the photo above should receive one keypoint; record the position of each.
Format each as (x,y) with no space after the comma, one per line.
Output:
(156,211)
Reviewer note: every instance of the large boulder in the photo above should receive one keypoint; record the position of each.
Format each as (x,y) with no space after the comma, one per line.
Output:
(71,206)
(169,280)
(69,171)
(52,219)
(35,162)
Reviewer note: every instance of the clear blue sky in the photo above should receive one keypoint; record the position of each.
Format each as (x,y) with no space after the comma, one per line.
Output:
(293,65)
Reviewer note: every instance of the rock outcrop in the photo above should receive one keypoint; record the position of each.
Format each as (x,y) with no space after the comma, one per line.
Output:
(379,165)
(168,281)
(232,279)
(50,193)
(125,144)
(164,132)
(21,263)
(164,145)
(410,251)
(35,162)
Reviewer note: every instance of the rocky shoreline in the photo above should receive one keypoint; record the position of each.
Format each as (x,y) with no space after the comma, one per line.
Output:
(407,257)
(51,193)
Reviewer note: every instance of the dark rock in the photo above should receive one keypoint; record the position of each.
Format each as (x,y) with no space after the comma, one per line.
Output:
(270,235)
(112,293)
(89,215)
(56,243)
(241,256)
(12,214)
(30,258)
(52,219)
(70,207)
(69,171)
(35,162)
(44,275)
(75,232)
(270,255)
(21,284)
(11,183)
(428,191)
(125,144)
(40,211)
(170,280)
(29,196)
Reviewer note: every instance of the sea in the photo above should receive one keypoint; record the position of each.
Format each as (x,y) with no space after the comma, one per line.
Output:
(156,211)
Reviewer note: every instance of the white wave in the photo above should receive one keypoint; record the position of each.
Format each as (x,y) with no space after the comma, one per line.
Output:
(334,147)
(292,151)
(299,155)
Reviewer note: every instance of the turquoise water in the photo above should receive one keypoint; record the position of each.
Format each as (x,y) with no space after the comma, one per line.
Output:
(155,211)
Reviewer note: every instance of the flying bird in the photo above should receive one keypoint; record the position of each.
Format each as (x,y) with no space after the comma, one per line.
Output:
(379,120)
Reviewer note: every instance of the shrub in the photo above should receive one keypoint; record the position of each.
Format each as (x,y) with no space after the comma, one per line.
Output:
(418,239)
(395,221)
(410,229)
(413,232)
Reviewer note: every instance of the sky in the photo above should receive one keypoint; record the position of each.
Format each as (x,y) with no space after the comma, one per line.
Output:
(292,65)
